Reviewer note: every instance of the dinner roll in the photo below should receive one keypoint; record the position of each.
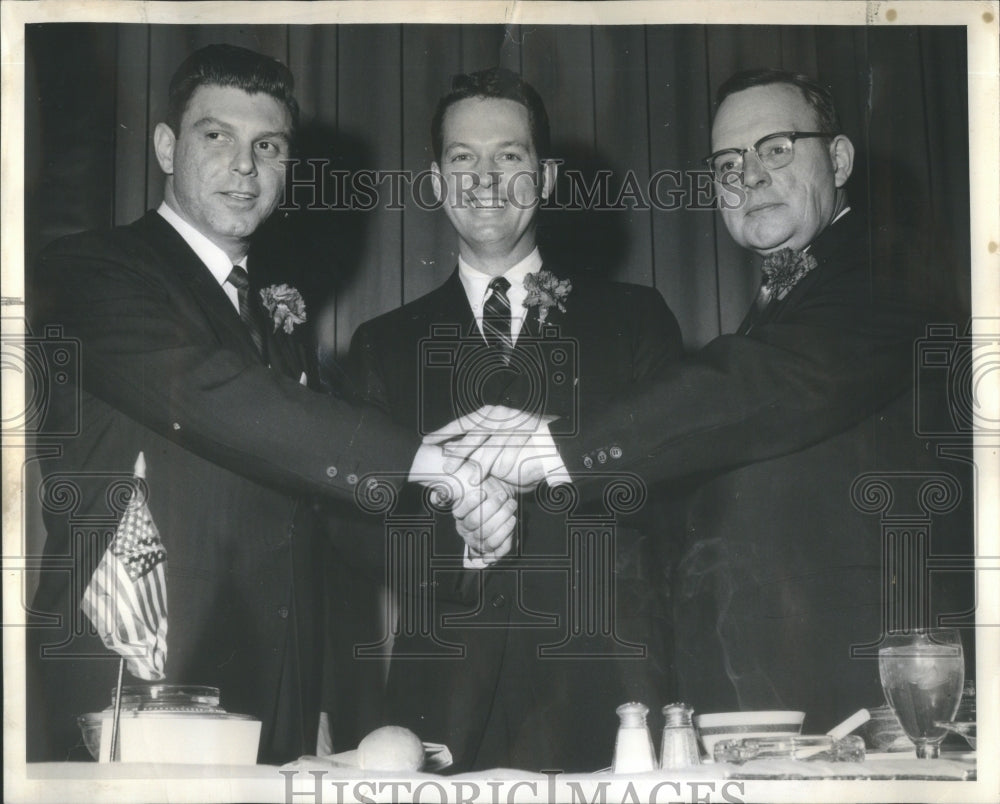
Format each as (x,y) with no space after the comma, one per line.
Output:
(391,748)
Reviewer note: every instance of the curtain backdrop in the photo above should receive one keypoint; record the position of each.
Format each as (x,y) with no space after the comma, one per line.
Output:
(630,103)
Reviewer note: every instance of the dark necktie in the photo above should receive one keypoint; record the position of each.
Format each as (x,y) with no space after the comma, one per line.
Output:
(496,318)
(238,279)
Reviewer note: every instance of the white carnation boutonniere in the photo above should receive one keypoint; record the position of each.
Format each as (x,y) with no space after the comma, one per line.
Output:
(784,268)
(546,290)
(285,306)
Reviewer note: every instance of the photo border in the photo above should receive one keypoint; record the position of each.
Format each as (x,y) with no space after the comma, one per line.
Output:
(981,22)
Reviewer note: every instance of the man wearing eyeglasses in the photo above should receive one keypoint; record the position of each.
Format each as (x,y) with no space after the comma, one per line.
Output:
(782,572)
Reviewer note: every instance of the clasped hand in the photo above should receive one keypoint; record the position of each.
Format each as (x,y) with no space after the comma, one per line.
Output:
(480,461)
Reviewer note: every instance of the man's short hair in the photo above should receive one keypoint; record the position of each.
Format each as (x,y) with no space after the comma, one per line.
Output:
(817,96)
(496,82)
(230,66)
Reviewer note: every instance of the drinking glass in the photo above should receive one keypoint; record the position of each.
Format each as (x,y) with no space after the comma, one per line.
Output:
(922,673)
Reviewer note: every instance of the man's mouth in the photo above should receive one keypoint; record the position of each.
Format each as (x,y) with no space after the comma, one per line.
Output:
(488,203)
(760,207)
(236,195)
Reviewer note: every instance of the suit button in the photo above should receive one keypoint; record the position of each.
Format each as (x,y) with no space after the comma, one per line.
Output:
(616,452)
(352,478)
(177,426)
(331,471)
(498,601)
(588,462)
(602,457)
(283,612)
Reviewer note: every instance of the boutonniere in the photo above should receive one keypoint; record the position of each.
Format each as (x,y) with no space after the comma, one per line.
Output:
(545,290)
(784,268)
(285,306)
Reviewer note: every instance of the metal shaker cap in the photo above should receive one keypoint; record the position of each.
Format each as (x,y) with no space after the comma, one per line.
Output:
(677,714)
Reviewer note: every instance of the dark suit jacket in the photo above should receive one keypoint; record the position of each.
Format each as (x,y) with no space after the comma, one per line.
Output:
(500,703)
(232,448)
(784,570)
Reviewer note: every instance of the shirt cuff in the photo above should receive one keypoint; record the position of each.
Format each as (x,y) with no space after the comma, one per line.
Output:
(470,561)
(543,447)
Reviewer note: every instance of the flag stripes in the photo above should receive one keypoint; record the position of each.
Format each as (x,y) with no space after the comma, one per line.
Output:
(126,598)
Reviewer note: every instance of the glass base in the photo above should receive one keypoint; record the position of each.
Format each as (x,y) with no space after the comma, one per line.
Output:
(926,750)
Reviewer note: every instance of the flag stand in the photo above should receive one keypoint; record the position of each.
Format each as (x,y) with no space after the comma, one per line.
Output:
(113,756)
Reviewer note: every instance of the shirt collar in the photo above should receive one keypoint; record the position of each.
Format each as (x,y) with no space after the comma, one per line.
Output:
(214,258)
(838,216)
(476,282)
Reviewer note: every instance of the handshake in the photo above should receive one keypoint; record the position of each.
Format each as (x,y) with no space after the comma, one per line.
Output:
(479,463)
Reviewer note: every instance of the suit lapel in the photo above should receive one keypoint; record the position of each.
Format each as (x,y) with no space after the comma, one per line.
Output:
(452,304)
(180,261)
(284,352)
(830,248)
(533,348)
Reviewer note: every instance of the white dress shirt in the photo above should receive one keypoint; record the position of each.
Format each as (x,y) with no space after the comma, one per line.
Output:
(214,258)
(477,284)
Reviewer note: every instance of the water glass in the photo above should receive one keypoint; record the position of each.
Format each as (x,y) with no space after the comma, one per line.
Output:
(922,674)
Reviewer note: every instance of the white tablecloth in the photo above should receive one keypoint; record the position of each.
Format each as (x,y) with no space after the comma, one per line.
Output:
(310,781)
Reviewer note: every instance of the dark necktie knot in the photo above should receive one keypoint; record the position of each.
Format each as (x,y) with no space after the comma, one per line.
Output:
(500,284)
(239,279)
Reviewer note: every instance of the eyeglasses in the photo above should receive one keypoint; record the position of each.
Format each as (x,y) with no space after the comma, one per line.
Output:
(774,151)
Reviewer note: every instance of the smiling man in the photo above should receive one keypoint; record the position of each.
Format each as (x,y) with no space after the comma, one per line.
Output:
(181,361)
(784,568)
(503,702)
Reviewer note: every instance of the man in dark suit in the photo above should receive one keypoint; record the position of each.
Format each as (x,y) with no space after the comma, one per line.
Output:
(784,572)
(504,699)
(179,360)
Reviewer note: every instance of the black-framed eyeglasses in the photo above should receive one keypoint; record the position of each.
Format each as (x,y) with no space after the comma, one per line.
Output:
(773,150)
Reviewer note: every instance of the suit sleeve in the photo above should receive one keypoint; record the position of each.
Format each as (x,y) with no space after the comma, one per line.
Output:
(834,359)
(147,351)
(657,341)
(364,369)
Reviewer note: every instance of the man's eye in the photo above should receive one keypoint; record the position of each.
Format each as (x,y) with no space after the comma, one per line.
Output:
(269,148)
(461,157)
(726,164)
(510,156)
(778,148)
(214,135)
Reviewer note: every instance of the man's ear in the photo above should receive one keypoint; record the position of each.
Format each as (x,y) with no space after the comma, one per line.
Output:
(437,183)
(842,157)
(163,144)
(550,171)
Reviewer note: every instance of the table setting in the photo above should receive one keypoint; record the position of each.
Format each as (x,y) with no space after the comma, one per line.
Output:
(925,732)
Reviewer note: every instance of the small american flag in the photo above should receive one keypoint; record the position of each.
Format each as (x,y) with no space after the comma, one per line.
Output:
(126,598)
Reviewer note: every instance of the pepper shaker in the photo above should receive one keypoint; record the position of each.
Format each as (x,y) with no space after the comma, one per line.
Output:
(634,745)
(680,745)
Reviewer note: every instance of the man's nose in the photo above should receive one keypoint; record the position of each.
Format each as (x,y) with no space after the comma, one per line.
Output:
(488,178)
(754,172)
(243,161)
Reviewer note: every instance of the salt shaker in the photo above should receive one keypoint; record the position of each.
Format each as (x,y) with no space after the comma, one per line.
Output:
(680,746)
(634,745)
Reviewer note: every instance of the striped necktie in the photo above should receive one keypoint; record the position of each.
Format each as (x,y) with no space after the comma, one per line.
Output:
(238,279)
(496,318)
